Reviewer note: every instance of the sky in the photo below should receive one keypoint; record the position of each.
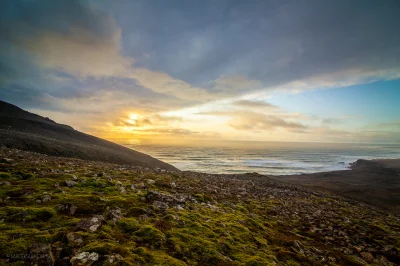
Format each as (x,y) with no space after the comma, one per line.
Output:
(177,70)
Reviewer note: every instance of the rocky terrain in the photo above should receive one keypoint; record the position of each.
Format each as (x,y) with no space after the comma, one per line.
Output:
(63,211)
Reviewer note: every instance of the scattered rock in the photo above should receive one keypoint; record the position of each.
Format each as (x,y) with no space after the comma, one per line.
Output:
(70,183)
(91,224)
(46,198)
(172,184)
(150,181)
(160,205)
(367,257)
(122,190)
(114,214)
(6,160)
(67,208)
(40,254)
(74,239)
(112,259)
(5,183)
(84,259)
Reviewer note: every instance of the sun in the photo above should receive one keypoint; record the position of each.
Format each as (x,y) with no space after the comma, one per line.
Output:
(133,117)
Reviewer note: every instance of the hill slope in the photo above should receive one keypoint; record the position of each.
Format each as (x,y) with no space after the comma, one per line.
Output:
(22,130)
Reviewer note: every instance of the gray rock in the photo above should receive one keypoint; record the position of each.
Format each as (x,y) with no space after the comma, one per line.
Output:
(70,183)
(91,224)
(46,198)
(150,181)
(67,208)
(5,183)
(40,254)
(74,239)
(122,190)
(84,259)
(160,205)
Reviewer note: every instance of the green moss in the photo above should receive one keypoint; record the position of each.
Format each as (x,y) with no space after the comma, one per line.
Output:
(16,246)
(199,197)
(5,175)
(151,235)
(106,247)
(29,214)
(128,225)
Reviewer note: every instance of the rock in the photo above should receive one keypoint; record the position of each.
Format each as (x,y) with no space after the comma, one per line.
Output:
(114,214)
(109,179)
(91,224)
(172,184)
(178,207)
(40,254)
(67,208)
(6,160)
(74,239)
(150,181)
(5,183)
(70,183)
(84,259)
(112,259)
(367,257)
(38,201)
(46,198)
(160,205)
(74,177)
(118,183)
(122,190)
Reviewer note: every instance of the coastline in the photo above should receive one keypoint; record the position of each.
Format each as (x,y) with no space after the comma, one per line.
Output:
(375,182)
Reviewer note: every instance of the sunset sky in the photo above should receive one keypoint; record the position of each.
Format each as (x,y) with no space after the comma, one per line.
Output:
(324,71)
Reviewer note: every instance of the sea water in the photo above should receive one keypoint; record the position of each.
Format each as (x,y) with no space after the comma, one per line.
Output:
(269,158)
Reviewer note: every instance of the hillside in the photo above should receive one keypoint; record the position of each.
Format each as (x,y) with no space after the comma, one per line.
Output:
(22,130)
(61,211)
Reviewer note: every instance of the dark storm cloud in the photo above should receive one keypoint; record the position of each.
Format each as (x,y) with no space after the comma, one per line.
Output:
(22,21)
(269,42)
(272,41)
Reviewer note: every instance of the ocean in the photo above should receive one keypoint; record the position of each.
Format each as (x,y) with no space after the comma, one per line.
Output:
(268,158)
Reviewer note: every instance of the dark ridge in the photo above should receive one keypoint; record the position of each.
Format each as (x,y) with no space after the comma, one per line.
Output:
(23,130)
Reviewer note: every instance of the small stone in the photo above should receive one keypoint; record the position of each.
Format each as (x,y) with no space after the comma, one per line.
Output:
(70,183)
(38,201)
(6,160)
(122,190)
(367,257)
(5,183)
(160,205)
(84,259)
(172,184)
(91,224)
(40,254)
(68,208)
(150,181)
(74,177)
(46,198)
(74,238)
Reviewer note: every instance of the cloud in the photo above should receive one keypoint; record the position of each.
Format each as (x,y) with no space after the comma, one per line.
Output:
(253,104)
(255,121)
(339,120)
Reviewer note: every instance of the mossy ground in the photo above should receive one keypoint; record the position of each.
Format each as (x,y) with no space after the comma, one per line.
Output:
(209,219)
